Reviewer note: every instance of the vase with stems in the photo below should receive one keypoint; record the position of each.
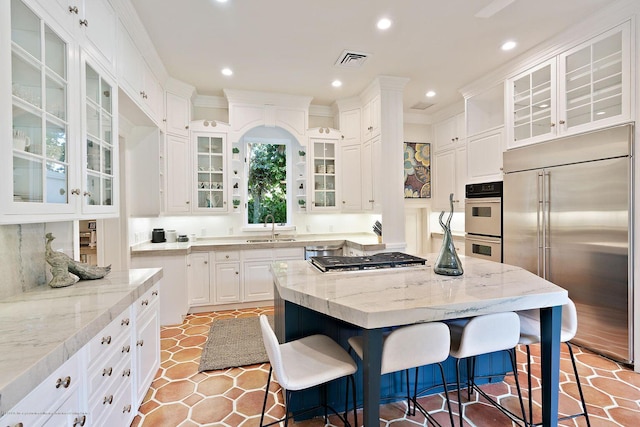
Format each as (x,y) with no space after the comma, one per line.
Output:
(448,263)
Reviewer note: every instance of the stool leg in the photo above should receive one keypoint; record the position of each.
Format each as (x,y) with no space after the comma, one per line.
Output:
(415,391)
(458,384)
(512,357)
(266,394)
(355,406)
(529,384)
(446,393)
(575,371)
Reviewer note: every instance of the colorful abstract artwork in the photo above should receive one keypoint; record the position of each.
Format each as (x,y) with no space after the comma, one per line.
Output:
(417,170)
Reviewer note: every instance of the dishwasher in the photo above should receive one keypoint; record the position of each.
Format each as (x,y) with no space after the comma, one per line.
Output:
(328,250)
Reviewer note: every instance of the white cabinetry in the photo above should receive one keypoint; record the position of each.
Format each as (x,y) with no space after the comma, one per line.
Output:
(147,342)
(257,280)
(584,88)
(350,122)
(136,77)
(179,171)
(198,278)
(210,183)
(371,118)
(371,197)
(92,22)
(227,277)
(177,114)
(449,133)
(484,157)
(324,165)
(449,176)
(351,177)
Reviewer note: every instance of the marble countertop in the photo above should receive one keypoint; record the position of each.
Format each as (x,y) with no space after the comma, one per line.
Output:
(399,296)
(43,328)
(361,241)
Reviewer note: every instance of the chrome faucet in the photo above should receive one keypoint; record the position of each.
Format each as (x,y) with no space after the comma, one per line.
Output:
(273,225)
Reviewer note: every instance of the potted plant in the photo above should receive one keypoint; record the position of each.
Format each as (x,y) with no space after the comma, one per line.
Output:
(236,203)
(302,155)
(236,153)
(302,204)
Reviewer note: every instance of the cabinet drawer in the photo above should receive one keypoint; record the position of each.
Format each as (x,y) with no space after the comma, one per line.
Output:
(51,393)
(288,253)
(111,405)
(103,342)
(227,255)
(147,300)
(114,369)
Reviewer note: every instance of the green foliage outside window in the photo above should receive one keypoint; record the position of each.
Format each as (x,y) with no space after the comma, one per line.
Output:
(267,183)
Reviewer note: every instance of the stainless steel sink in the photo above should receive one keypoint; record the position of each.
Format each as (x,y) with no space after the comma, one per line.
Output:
(269,240)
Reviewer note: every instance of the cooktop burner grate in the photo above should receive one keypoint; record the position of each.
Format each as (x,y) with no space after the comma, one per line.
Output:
(380,260)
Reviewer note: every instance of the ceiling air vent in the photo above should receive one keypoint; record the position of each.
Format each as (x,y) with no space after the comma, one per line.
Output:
(421,106)
(351,59)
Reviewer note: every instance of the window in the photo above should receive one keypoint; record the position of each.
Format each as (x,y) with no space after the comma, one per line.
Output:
(267,181)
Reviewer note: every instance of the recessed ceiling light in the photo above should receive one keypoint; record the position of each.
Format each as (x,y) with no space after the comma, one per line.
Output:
(508,45)
(221,1)
(430,94)
(227,71)
(384,24)
(336,83)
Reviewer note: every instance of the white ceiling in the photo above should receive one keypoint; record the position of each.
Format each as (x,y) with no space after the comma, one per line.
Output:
(290,46)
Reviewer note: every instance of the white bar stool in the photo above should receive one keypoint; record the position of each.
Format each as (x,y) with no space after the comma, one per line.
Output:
(411,347)
(305,363)
(530,334)
(481,335)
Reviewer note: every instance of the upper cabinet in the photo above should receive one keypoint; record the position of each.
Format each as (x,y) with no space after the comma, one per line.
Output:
(177,114)
(323,173)
(210,192)
(584,88)
(350,126)
(137,79)
(371,118)
(449,133)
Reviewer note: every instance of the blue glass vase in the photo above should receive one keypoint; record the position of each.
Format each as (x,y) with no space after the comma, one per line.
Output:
(448,263)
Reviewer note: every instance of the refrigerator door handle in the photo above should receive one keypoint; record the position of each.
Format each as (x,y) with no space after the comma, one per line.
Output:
(540,225)
(546,234)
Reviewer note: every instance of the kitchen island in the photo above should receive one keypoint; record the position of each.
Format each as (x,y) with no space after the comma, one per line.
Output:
(374,300)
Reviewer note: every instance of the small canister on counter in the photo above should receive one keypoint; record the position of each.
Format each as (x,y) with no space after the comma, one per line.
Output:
(182,238)
(172,236)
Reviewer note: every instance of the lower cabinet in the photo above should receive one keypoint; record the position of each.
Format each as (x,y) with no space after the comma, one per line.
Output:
(102,384)
(234,276)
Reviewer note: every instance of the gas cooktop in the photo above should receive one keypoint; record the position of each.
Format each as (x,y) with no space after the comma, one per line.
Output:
(381,260)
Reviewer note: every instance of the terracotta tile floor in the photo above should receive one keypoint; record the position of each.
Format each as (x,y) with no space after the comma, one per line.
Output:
(180,396)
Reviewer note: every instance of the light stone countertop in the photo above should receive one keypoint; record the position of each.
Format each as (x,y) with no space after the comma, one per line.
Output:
(361,241)
(42,329)
(400,296)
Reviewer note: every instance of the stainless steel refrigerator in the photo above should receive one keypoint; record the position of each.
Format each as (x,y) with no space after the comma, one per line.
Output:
(567,216)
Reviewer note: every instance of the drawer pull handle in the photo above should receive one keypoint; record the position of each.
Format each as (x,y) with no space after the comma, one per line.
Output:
(64,383)
(126,373)
(106,372)
(84,22)
(145,302)
(154,293)
(140,343)
(73,9)
(125,322)
(126,348)
(108,400)
(79,421)
(106,340)
(127,408)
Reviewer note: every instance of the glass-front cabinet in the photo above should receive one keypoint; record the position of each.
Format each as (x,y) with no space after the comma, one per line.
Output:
(323,174)
(99,143)
(210,181)
(40,123)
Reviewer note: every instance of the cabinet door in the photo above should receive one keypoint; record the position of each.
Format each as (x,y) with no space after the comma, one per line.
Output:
(351,178)
(258,282)
(177,114)
(376,163)
(129,64)
(594,85)
(448,170)
(532,103)
(367,168)
(178,175)
(484,157)
(209,193)
(350,122)
(100,149)
(371,118)
(449,133)
(324,174)
(461,178)
(147,351)
(43,167)
(151,94)
(198,278)
(99,23)
(227,283)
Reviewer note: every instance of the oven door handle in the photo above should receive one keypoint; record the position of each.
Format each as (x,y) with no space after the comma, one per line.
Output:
(483,239)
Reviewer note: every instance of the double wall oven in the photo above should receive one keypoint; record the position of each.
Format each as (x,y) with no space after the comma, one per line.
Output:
(483,221)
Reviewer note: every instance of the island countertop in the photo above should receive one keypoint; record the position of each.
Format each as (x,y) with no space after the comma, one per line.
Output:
(43,328)
(406,295)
